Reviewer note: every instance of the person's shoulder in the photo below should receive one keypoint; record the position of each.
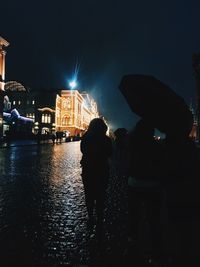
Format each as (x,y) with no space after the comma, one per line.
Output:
(108,139)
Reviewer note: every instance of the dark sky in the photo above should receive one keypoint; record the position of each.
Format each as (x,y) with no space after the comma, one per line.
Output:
(109,38)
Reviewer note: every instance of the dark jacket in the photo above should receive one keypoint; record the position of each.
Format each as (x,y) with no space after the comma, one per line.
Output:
(96,150)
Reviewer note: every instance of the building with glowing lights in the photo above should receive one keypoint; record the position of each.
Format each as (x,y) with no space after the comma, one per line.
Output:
(74,111)
(60,110)
(3,44)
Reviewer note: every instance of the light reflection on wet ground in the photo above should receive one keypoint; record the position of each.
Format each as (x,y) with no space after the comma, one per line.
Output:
(42,208)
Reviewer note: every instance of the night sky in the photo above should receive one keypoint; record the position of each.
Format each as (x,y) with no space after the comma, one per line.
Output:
(107,39)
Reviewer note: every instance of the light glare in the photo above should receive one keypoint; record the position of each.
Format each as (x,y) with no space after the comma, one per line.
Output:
(73,84)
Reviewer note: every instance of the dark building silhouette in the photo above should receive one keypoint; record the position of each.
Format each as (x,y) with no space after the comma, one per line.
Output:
(196,72)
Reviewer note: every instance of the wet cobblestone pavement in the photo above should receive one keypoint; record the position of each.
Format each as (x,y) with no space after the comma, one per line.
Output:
(43,218)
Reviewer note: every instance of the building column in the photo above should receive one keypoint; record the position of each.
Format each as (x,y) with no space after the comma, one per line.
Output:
(3,43)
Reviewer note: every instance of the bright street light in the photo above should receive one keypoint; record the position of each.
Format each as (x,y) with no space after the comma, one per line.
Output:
(73,84)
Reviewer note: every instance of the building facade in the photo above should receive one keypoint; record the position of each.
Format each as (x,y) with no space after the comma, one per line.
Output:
(3,44)
(74,111)
(52,111)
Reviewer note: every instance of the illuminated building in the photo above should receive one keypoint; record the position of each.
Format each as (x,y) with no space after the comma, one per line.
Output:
(3,44)
(36,105)
(74,111)
(17,96)
(59,110)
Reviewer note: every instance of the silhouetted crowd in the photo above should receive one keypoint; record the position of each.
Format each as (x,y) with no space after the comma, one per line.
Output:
(163,189)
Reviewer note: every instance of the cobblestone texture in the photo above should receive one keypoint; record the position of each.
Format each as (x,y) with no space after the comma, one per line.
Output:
(43,218)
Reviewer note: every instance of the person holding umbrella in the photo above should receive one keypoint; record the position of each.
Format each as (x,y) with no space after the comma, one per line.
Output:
(144,186)
(158,104)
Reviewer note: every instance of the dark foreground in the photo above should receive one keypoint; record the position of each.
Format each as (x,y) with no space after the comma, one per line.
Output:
(43,219)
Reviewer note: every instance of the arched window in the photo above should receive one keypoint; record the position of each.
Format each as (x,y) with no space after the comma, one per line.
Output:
(46,118)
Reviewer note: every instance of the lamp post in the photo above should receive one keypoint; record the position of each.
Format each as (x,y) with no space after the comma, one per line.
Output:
(73,85)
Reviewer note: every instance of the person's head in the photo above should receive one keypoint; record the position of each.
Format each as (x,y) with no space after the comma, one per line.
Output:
(120,133)
(97,126)
(144,129)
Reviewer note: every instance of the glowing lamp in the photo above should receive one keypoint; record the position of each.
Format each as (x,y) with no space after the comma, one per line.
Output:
(73,84)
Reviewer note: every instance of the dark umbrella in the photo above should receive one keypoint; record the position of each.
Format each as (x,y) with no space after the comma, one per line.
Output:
(156,102)
(120,132)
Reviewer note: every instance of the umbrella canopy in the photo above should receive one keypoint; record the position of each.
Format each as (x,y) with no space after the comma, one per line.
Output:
(120,132)
(156,102)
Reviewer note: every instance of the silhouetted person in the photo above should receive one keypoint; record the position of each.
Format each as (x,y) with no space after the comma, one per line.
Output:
(38,137)
(59,137)
(120,151)
(8,137)
(143,184)
(96,148)
(53,137)
(182,185)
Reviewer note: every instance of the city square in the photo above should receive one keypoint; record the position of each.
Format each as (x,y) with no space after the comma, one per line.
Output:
(99,133)
(43,218)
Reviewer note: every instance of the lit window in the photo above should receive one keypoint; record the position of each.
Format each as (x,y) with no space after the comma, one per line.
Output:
(19,102)
(14,102)
(45,118)
(49,118)
(33,102)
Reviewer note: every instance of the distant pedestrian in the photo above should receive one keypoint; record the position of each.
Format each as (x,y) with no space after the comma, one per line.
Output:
(53,137)
(39,137)
(96,148)
(8,135)
(58,137)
